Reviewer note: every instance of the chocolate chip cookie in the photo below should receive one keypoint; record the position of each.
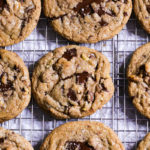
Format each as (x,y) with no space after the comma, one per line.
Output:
(82,135)
(145,143)
(12,141)
(142,11)
(72,82)
(18,18)
(15,88)
(139,79)
(88,21)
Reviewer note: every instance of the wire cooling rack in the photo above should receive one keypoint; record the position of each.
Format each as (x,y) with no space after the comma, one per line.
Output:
(119,113)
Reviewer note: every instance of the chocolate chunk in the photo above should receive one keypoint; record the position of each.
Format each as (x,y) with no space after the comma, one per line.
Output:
(104,88)
(101,11)
(15,77)
(23,89)
(88,10)
(142,72)
(148,8)
(72,95)
(1,140)
(85,7)
(103,23)
(125,14)
(22,1)
(5,87)
(69,54)
(73,145)
(2,3)
(82,77)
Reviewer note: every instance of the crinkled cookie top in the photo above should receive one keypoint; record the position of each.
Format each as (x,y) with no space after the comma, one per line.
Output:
(72,81)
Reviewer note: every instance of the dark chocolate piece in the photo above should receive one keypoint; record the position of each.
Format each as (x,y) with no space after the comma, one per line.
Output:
(69,54)
(72,95)
(82,77)
(73,145)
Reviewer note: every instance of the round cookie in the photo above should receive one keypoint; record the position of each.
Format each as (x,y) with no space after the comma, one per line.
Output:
(12,141)
(139,79)
(88,21)
(145,143)
(15,88)
(82,135)
(72,82)
(18,19)
(142,12)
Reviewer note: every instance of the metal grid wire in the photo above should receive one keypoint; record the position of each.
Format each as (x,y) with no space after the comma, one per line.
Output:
(119,113)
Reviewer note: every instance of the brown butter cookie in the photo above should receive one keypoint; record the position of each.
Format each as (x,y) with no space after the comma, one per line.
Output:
(88,21)
(15,88)
(82,135)
(142,12)
(139,79)
(72,82)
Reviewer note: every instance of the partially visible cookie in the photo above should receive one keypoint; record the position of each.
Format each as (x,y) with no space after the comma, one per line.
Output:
(88,21)
(12,141)
(142,12)
(18,18)
(72,82)
(15,88)
(139,79)
(145,143)
(82,135)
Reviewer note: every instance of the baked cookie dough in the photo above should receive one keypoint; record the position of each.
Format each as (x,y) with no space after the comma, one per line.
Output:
(142,12)
(18,18)
(145,143)
(15,88)
(72,82)
(12,141)
(82,135)
(88,21)
(139,79)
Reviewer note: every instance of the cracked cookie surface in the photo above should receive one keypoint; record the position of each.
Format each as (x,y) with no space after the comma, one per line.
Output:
(18,18)
(72,82)
(142,11)
(12,141)
(15,88)
(145,143)
(139,79)
(82,135)
(88,21)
